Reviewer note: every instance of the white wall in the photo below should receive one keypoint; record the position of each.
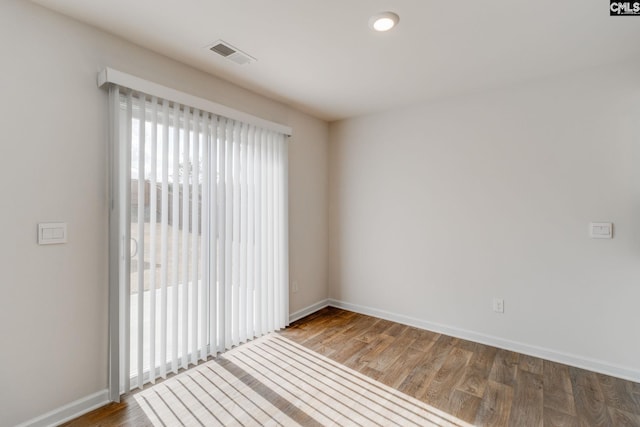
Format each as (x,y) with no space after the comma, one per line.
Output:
(53,151)
(437,208)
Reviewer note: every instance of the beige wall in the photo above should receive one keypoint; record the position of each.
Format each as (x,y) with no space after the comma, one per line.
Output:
(438,208)
(53,151)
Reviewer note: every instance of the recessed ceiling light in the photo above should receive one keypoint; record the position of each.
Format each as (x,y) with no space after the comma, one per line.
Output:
(383,21)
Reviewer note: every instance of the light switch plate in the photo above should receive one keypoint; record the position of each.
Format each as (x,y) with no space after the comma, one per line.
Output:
(601,230)
(52,233)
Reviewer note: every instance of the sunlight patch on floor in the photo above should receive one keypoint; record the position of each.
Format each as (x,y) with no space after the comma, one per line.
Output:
(274,381)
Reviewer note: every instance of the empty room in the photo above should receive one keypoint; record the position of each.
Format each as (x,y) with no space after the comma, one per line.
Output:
(319,213)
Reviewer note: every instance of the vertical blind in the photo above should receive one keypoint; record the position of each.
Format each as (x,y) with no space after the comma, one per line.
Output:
(202,234)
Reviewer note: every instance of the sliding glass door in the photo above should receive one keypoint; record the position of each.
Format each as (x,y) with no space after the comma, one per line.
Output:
(201,220)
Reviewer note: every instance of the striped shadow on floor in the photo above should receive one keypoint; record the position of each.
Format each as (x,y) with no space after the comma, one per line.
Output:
(274,381)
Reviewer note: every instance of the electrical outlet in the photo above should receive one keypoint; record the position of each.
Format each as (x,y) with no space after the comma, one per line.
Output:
(294,286)
(498,305)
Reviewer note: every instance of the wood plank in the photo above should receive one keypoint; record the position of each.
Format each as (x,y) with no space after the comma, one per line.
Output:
(136,420)
(323,332)
(463,406)
(359,319)
(423,339)
(370,372)
(476,375)
(322,313)
(495,407)
(443,383)
(391,353)
(473,381)
(618,394)
(421,334)
(623,419)
(345,314)
(317,326)
(558,391)
(553,418)
(398,371)
(556,376)
(350,330)
(396,329)
(505,366)
(115,411)
(469,345)
(351,348)
(330,335)
(590,405)
(324,350)
(417,382)
(372,333)
(527,408)
(531,364)
(369,353)
(483,357)
(561,402)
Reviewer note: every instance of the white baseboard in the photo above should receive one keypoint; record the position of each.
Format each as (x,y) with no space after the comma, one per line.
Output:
(531,350)
(70,411)
(308,310)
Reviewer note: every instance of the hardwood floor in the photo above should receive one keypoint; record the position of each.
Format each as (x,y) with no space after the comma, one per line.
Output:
(481,385)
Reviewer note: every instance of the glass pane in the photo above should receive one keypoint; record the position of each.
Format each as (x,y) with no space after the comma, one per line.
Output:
(164,196)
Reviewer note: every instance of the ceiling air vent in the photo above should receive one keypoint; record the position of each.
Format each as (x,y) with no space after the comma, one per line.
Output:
(224,49)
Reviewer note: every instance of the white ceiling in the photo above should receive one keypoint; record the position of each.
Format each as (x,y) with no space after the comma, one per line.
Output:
(320,55)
